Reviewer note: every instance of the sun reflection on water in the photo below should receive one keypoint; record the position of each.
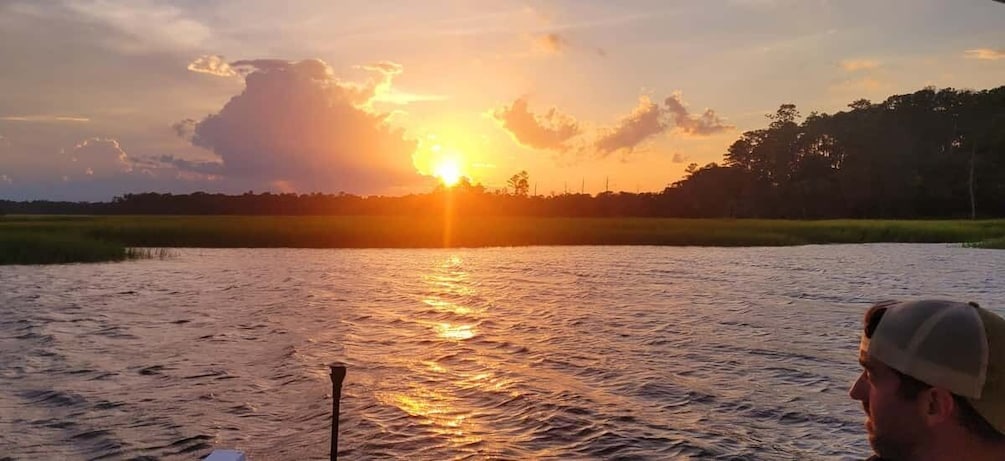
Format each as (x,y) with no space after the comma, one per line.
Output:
(445,306)
(431,406)
(450,285)
(434,367)
(455,332)
(437,410)
(450,381)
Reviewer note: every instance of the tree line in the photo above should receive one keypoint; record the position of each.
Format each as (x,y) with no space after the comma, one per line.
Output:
(932,153)
(928,154)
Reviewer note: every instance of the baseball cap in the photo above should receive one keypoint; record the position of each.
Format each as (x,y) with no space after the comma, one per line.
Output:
(954,345)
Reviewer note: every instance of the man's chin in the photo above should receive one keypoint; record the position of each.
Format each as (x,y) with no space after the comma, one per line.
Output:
(874,441)
(884,450)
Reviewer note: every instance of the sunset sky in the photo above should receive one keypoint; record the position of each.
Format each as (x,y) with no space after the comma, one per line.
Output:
(104,97)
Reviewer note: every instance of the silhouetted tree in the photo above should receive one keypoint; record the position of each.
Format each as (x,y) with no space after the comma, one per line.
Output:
(520,183)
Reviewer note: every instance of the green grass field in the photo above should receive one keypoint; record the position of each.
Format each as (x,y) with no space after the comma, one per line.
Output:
(57,239)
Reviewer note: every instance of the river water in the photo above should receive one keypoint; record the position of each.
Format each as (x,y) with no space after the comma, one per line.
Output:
(499,353)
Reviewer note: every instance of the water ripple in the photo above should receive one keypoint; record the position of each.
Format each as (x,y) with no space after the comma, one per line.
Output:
(621,353)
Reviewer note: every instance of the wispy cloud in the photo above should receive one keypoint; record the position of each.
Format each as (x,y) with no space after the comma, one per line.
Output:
(44,118)
(378,89)
(859,86)
(755,3)
(986,54)
(213,65)
(854,65)
(548,27)
(101,156)
(551,43)
(393,96)
(612,21)
(150,25)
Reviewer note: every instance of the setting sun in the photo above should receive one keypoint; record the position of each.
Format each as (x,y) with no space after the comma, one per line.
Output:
(449,171)
(451,156)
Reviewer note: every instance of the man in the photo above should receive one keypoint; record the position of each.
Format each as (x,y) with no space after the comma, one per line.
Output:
(933,385)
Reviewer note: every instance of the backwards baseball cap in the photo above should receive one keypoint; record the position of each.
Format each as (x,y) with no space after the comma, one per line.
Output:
(957,346)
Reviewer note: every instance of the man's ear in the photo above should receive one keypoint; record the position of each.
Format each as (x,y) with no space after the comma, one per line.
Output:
(938,405)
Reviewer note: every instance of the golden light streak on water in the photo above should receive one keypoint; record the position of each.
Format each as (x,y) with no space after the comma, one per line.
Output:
(438,411)
(432,407)
(455,332)
(434,367)
(448,307)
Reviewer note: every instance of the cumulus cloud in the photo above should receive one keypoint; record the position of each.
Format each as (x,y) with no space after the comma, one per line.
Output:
(185,129)
(296,123)
(678,158)
(986,54)
(381,88)
(855,65)
(57,163)
(213,65)
(195,166)
(387,68)
(308,68)
(644,121)
(100,157)
(559,132)
(708,123)
(549,131)
(375,88)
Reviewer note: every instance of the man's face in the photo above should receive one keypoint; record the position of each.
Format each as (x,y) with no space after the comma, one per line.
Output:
(895,425)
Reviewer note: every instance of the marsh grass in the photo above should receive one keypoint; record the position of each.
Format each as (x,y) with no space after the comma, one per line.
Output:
(60,239)
(63,239)
(995,243)
(57,248)
(149,253)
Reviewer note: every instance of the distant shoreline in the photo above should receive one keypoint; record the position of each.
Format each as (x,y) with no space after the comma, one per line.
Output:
(29,239)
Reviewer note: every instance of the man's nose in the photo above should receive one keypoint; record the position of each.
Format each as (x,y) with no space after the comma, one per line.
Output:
(857,391)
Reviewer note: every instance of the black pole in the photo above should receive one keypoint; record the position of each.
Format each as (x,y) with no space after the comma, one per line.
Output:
(338,375)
